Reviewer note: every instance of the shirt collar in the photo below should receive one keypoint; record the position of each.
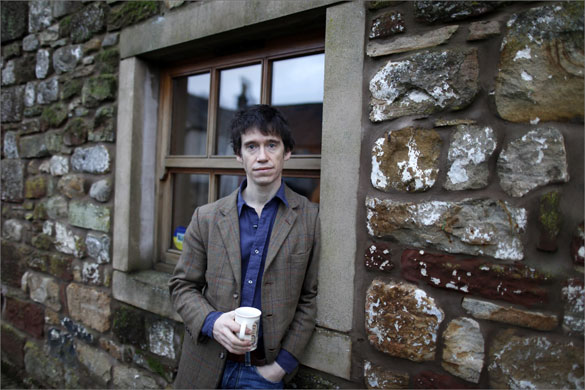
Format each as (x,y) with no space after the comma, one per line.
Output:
(280,194)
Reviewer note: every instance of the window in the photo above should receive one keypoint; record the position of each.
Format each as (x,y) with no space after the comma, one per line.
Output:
(198,101)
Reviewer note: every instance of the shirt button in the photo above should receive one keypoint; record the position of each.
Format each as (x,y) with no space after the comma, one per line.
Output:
(256,251)
(236,296)
(255,226)
(222,355)
(250,281)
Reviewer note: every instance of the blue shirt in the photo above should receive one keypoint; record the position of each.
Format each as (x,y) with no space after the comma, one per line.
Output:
(255,234)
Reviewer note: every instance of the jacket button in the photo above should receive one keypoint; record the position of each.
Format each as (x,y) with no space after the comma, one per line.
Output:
(222,355)
(236,295)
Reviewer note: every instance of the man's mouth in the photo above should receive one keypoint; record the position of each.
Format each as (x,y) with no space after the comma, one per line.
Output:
(263,169)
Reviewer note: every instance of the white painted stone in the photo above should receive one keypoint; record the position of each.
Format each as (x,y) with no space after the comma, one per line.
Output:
(30,94)
(68,242)
(98,247)
(59,165)
(12,229)
(43,289)
(10,145)
(161,338)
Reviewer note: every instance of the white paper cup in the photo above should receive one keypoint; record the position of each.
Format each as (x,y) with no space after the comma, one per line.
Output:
(248,317)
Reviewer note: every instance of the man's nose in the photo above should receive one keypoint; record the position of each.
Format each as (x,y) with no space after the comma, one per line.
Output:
(262,154)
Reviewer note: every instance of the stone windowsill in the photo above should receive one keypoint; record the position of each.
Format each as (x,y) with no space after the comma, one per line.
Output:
(147,290)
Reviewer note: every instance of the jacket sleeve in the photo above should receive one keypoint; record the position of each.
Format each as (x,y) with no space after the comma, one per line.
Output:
(303,324)
(188,281)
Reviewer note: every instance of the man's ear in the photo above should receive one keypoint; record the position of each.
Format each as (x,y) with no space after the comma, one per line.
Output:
(287,155)
(239,157)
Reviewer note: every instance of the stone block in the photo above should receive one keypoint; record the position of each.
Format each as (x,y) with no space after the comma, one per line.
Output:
(43,65)
(71,88)
(65,7)
(447,11)
(56,207)
(13,258)
(129,13)
(433,380)
(71,186)
(42,241)
(98,89)
(463,351)
(14,20)
(88,273)
(12,103)
(536,159)
(425,83)
(131,378)
(43,289)
(35,187)
(129,326)
(578,247)
(50,370)
(535,362)
(107,60)
(48,91)
(483,30)
(89,21)
(49,35)
(97,362)
(469,152)
(161,336)
(532,85)
(402,320)
(30,127)
(26,316)
(40,15)
(60,266)
(19,70)
(509,315)
(550,219)
(472,226)
(114,349)
(104,126)
(514,283)
(10,146)
(573,304)
(12,345)
(59,165)
(94,159)
(12,180)
(98,247)
(90,216)
(30,94)
(89,306)
(78,331)
(411,42)
(54,116)
(407,160)
(101,190)
(170,4)
(12,230)
(378,257)
(65,58)
(66,241)
(75,132)
(387,25)
(33,146)
(111,39)
(377,377)
(329,352)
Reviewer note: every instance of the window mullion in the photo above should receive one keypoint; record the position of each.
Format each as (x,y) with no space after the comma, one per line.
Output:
(213,108)
(265,91)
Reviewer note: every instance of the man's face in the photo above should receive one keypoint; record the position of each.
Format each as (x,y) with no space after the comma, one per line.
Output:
(263,157)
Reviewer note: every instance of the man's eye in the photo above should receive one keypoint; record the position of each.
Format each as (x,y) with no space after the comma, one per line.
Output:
(272,145)
(251,147)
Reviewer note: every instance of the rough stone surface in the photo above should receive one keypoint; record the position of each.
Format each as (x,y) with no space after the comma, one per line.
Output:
(35,187)
(578,246)
(33,146)
(88,273)
(50,370)
(111,39)
(40,15)
(94,159)
(71,186)
(65,7)
(12,346)
(43,289)
(13,259)
(424,83)
(402,321)
(541,65)
(12,180)
(130,13)
(170,4)
(514,283)
(376,377)
(98,247)
(387,24)
(26,316)
(378,257)
(104,125)
(12,103)
(97,362)
(433,380)
(10,147)
(49,35)
(10,51)
(549,221)
(14,20)
(30,94)
(60,266)
(408,160)
(89,306)
(56,207)
(129,327)
(65,58)
(463,354)
(509,315)
(536,159)
(78,331)
(54,115)
(483,30)
(66,241)
(75,132)
(573,302)
(472,226)
(535,362)
(161,336)
(413,42)
(101,190)
(59,165)
(447,11)
(48,91)
(469,152)
(131,378)
(12,230)
(43,65)
(89,21)
(98,89)
(90,216)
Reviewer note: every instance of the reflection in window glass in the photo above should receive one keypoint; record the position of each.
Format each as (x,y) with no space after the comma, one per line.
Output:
(309,187)
(297,90)
(238,89)
(190,102)
(228,184)
(189,192)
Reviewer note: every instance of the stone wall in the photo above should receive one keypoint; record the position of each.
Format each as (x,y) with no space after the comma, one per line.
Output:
(472,235)
(61,326)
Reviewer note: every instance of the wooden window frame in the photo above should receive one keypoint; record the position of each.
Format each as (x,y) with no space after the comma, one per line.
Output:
(214,165)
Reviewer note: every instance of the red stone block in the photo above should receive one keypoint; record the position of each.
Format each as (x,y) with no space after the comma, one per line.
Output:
(514,283)
(378,257)
(433,380)
(26,316)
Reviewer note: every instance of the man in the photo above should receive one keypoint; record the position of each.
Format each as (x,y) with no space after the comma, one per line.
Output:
(257,247)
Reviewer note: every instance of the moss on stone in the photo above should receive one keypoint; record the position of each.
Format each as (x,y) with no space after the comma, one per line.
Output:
(42,241)
(30,112)
(155,365)
(550,217)
(131,12)
(71,88)
(75,132)
(54,115)
(99,88)
(35,187)
(107,61)
(40,211)
(129,326)
(65,26)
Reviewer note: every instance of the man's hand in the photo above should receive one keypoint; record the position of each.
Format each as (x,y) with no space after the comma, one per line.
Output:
(273,372)
(225,332)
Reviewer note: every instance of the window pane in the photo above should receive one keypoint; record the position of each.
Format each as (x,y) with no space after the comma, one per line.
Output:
(308,187)
(228,184)
(189,125)
(238,89)
(189,192)
(297,90)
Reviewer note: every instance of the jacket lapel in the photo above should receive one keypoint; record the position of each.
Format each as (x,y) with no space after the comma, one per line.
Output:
(229,229)
(283,223)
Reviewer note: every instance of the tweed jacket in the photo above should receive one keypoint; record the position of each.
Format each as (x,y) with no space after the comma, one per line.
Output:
(208,278)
